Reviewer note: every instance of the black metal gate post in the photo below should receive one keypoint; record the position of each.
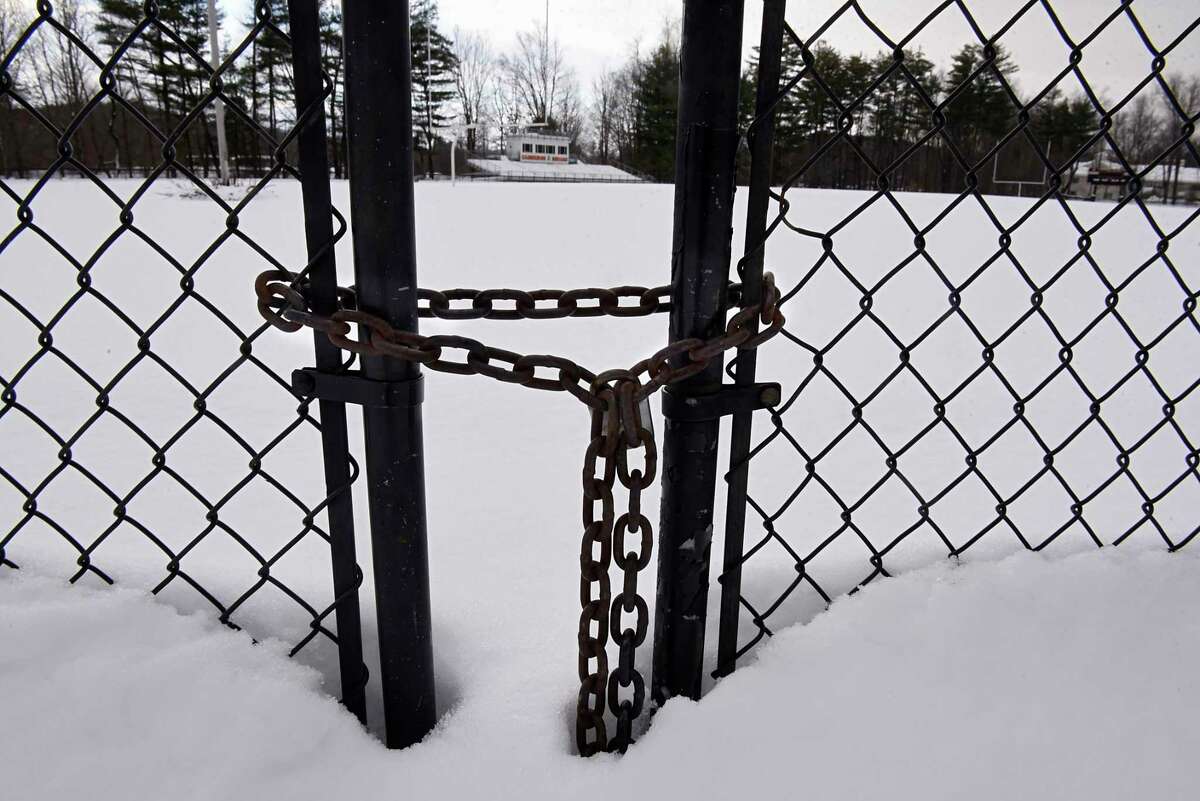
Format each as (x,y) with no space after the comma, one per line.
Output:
(761,140)
(705,155)
(319,235)
(380,150)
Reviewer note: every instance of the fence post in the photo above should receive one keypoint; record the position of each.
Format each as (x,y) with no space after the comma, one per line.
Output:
(705,155)
(380,153)
(318,228)
(761,136)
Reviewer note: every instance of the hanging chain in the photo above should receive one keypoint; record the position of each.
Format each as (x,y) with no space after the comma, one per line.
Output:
(599,472)
(620,436)
(608,461)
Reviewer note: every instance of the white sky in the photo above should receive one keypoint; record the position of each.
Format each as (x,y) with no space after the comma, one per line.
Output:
(598,34)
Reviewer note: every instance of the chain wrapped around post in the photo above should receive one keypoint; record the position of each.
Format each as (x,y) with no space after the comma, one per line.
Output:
(621,435)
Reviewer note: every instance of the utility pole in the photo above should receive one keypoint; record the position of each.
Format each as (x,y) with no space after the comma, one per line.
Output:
(214,46)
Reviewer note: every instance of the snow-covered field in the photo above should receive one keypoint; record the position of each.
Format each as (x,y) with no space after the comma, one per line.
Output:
(1058,676)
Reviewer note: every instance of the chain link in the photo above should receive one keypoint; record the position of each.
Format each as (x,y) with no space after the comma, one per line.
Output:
(282,301)
(537,304)
(618,434)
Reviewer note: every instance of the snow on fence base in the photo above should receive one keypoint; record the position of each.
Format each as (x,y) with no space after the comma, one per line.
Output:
(1032,677)
(943,395)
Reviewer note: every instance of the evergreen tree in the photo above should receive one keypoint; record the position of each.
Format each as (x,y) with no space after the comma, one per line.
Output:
(747,90)
(656,105)
(899,113)
(115,22)
(1062,125)
(331,62)
(187,76)
(163,77)
(264,82)
(980,111)
(433,87)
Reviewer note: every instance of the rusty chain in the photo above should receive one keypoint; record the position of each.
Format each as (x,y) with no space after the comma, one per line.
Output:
(604,611)
(537,304)
(618,431)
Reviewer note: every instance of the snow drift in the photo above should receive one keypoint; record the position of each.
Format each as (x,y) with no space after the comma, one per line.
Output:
(1024,678)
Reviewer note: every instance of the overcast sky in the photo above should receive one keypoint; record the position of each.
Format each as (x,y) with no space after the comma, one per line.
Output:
(598,33)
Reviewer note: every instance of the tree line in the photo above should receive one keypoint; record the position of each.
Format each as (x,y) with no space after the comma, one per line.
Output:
(466,88)
(460,84)
(821,142)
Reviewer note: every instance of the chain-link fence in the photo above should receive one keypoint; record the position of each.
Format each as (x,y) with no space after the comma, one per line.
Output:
(963,372)
(142,413)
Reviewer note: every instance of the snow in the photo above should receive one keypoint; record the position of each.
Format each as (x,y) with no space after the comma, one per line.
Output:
(533,171)
(503,493)
(1024,678)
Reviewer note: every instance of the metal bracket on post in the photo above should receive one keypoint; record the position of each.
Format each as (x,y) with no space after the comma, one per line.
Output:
(353,387)
(730,399)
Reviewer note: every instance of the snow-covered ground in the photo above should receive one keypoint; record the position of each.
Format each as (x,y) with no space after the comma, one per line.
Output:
(1024,678)
(1029,677)
(535,172)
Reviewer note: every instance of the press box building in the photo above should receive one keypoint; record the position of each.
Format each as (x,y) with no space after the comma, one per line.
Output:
(539,148)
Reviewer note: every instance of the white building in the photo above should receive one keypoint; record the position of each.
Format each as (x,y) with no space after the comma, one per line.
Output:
(1105,179)
(539,148)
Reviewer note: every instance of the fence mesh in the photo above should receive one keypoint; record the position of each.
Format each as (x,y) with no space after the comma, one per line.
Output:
(196,457)
(966,372)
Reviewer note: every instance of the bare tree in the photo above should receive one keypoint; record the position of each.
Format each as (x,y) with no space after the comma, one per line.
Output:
(14,18)
(65,77)
(474,78)
(614,111)
(569,114)
(604,104)
(542,84)
(1182,105)
(1136,128)
(503,110)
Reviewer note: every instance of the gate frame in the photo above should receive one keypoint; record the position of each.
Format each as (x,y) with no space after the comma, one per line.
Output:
(378,63)
(705,178)
(761,139)
(320,240)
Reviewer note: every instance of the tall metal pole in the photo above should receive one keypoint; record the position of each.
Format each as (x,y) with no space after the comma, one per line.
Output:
(705,154)
(214,47)
(380,150)
(318,228)
(429,91)
(758,202)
